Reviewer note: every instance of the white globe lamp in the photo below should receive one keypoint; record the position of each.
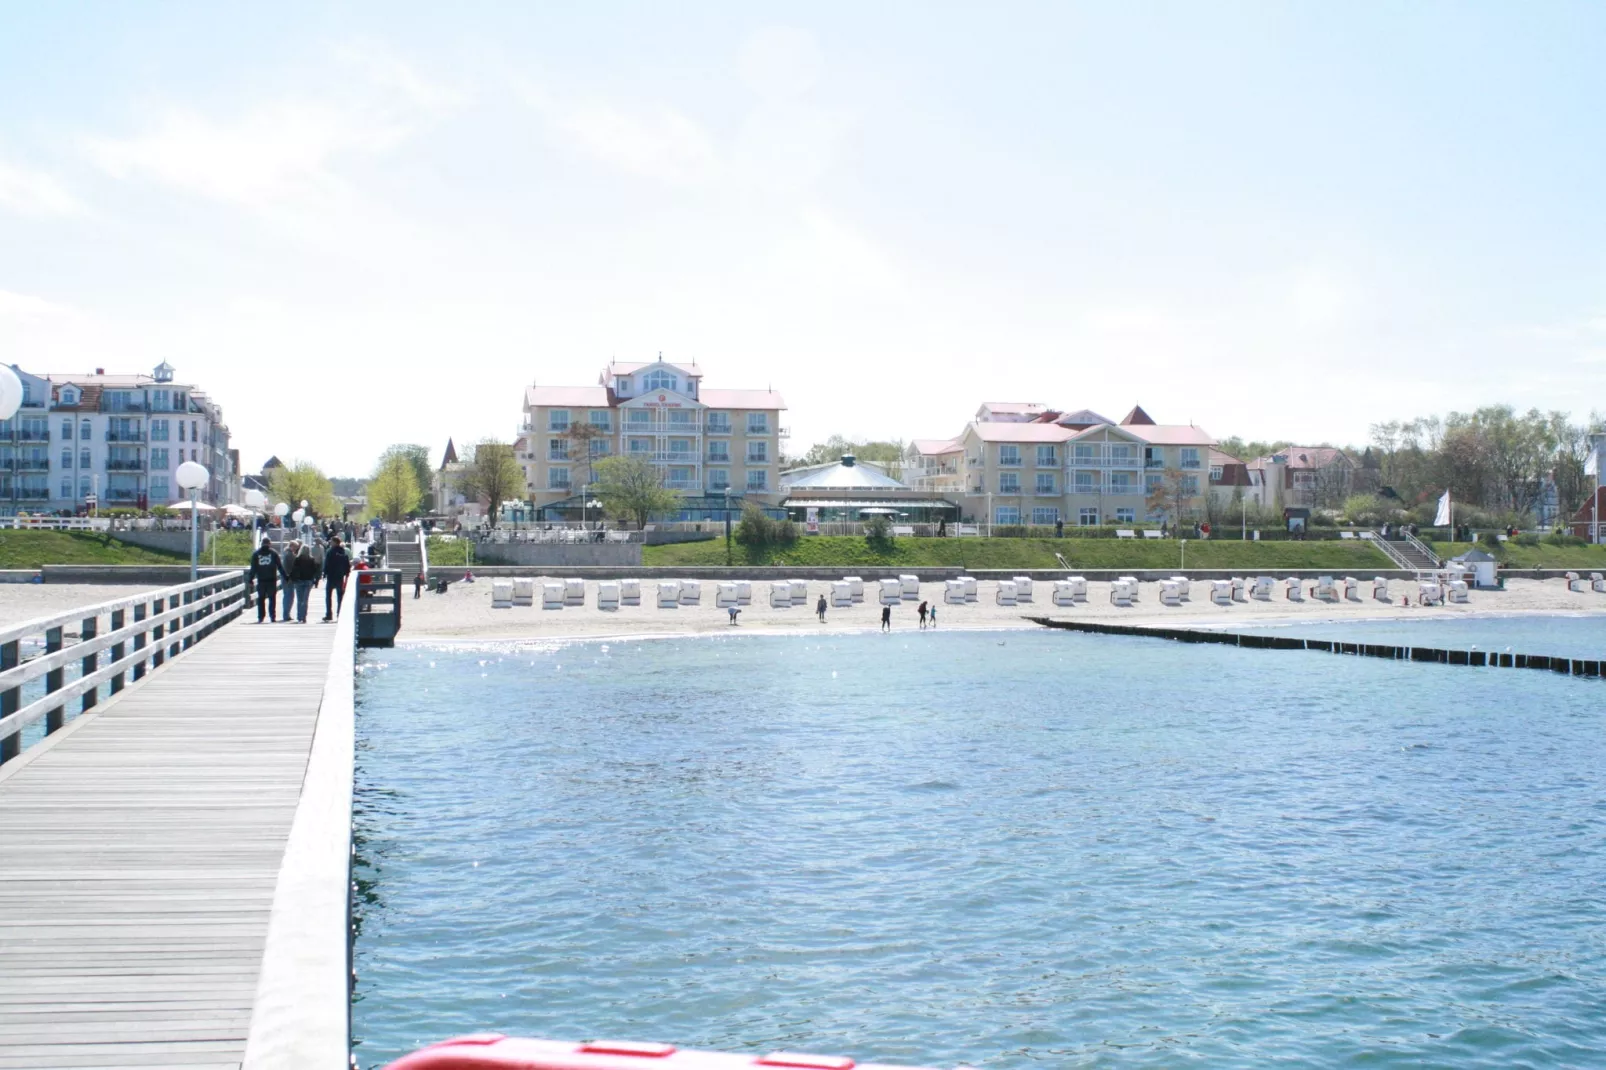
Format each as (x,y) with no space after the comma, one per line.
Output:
(298,515)
(192,476)
(281,510)
(10,393)
(255,499)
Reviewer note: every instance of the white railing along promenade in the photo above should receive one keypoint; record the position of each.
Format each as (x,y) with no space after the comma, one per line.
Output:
(140,633)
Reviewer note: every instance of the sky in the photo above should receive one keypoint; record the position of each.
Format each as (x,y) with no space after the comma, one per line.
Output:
(361,224)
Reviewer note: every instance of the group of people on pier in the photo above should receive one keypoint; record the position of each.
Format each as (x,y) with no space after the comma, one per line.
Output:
(301,572)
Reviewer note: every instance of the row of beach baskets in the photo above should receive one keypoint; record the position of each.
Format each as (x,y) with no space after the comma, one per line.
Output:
(782,594)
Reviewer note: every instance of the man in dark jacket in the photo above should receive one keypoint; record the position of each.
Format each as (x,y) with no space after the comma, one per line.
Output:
(266,568)
(336,566)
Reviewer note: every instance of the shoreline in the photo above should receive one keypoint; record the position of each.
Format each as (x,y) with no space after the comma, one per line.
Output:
(464,617)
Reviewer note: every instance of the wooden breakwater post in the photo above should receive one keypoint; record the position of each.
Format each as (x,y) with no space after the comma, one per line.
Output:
(1591,667)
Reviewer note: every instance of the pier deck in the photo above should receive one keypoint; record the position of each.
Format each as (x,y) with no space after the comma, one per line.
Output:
(140,849)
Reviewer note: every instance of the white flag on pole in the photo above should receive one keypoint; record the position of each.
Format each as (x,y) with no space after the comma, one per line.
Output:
(1444,511)
(1592,462)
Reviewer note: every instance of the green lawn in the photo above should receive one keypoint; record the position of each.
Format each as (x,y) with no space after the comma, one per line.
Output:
(447,551)
(33,549)
(973,553)
(1544,555)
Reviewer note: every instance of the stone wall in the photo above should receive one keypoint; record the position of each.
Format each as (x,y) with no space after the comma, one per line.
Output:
(618,555)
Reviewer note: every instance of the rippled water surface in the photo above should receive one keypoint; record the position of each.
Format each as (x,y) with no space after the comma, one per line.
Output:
(999,849)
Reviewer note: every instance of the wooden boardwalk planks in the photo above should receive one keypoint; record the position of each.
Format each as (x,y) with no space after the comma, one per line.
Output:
(139,854)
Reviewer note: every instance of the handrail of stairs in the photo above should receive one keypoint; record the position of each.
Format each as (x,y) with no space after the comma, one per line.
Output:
(1394,554)
(1422,547)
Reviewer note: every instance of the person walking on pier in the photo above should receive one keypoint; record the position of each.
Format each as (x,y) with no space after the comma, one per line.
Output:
(291,550)
(266,568)
(336,567)
(303,576)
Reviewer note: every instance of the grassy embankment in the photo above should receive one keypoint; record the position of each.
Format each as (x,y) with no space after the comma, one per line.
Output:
(447,552)
(973,553)
(1589,558)
(34,549)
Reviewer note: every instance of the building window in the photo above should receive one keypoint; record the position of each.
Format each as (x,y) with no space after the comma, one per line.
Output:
(159,457)
(83,457)
(557,449)
(181,430)
(1121,483)
(83,430)
(621,386)
(557,420)
(158,430)
(599,447)
(1085,483)
(640,417)
(719,479)
(66,457)
(1126,515)
(659,380)
(758,479)
(1153,457)
(66,487)
(1190,485)
(640,445)
(1121,454)
(1151,483)
(758,453)
(1006,514)
(1088,517)
(1190,457)
(557,478)
(758,423)
(66,429)
(680,447)
(1008,454)
(69,398)
(720,452)
(1045,482)
(681,478)
(83,486)
(1009,482)
(1048,456)
(1045,515)
(599,418)
(195,435)
(1084,453)
(162,400)
(680,418)
(1215,473)
(719,423)
(159,489)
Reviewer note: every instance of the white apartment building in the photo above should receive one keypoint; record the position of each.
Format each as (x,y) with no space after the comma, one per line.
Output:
(1021,463)
(115,438)
(710,444)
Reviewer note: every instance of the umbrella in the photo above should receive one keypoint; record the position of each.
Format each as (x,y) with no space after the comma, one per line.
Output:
(878,511)
(185,507)
(236,510)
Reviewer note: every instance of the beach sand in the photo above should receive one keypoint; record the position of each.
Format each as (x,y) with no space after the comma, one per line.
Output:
(464,613)
(21,602)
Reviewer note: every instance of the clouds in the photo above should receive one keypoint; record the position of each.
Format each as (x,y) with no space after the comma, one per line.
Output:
(21,308)
(283,150)
(34,193)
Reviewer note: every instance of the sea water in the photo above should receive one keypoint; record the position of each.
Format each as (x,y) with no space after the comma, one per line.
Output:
(999,849)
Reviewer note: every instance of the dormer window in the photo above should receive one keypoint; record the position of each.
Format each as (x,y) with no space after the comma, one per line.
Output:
(69,397)
(659,380)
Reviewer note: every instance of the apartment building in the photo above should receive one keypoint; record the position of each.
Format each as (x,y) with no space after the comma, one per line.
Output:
(1304,477)
(115,439)
(710,444)
(1029,464)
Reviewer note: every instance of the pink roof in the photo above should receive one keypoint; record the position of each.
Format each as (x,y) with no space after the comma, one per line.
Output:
(594,396)
(936,446)
(1171,434)
(988,431)
(742,399)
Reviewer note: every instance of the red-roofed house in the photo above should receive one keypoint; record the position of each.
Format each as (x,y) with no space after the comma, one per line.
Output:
(709,443)
(1079,467)
(1303,477)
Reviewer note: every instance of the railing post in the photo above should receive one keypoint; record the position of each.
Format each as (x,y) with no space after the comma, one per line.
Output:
(189,618)
(55,718)
(118,650)
(159,654)
(10,702)
(91,662)
(139,642)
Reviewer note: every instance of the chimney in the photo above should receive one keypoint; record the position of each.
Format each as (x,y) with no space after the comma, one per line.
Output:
(100,371)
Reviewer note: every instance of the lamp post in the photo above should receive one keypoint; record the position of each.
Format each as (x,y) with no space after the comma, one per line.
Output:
(727,526)
(192,476)
(281,511)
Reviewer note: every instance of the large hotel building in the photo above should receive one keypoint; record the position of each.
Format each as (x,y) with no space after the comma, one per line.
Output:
(1031,464)
(717,447)
(116,440)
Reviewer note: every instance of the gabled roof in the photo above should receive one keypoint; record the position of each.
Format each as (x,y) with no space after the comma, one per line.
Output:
(1014,408)
(1137,416)
(1082,418)
(993,431)
(617,368)
(1170,434)
(742,399)
(594,396)
(935,447)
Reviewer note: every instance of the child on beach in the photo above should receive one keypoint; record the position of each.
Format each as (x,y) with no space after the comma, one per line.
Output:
(733,611)
(933,614)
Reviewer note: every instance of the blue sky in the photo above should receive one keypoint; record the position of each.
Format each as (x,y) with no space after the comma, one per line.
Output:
(1274,220)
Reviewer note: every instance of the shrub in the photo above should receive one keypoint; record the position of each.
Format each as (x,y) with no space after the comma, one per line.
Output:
(757,529)
(1366,510)
(1527,538)
(878,533)
(1560,539)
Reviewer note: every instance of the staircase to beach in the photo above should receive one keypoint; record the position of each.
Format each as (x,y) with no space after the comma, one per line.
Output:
(1408,552)
(404,550)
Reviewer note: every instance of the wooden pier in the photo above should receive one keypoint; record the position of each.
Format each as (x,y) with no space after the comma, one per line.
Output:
(174,860)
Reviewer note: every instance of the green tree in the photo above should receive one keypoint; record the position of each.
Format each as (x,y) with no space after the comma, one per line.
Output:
(632,488)
(303,481)
(417,458)
(393,491)
(491,476)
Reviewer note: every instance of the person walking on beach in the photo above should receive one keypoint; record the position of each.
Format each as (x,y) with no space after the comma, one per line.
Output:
(336,567)
(418,585)
(266,568)
(819,609)
(303,577)
(886,618)
(291,549)
(921,611)
(933,614)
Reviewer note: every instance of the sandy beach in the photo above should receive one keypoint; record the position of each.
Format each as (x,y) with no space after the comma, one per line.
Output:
(465,613)
(21,602)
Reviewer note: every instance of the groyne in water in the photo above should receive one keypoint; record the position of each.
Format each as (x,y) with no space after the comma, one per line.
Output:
(1388,651)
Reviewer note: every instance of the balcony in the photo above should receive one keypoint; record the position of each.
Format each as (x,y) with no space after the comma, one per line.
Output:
(33,464)
(719,429)
(33,436)
(752,459)
(125,466)
(683,484)
(125,436)
(1102,459)
(1154,462)
(33,494)
(1009,462)
(1119,490)
(122,494)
